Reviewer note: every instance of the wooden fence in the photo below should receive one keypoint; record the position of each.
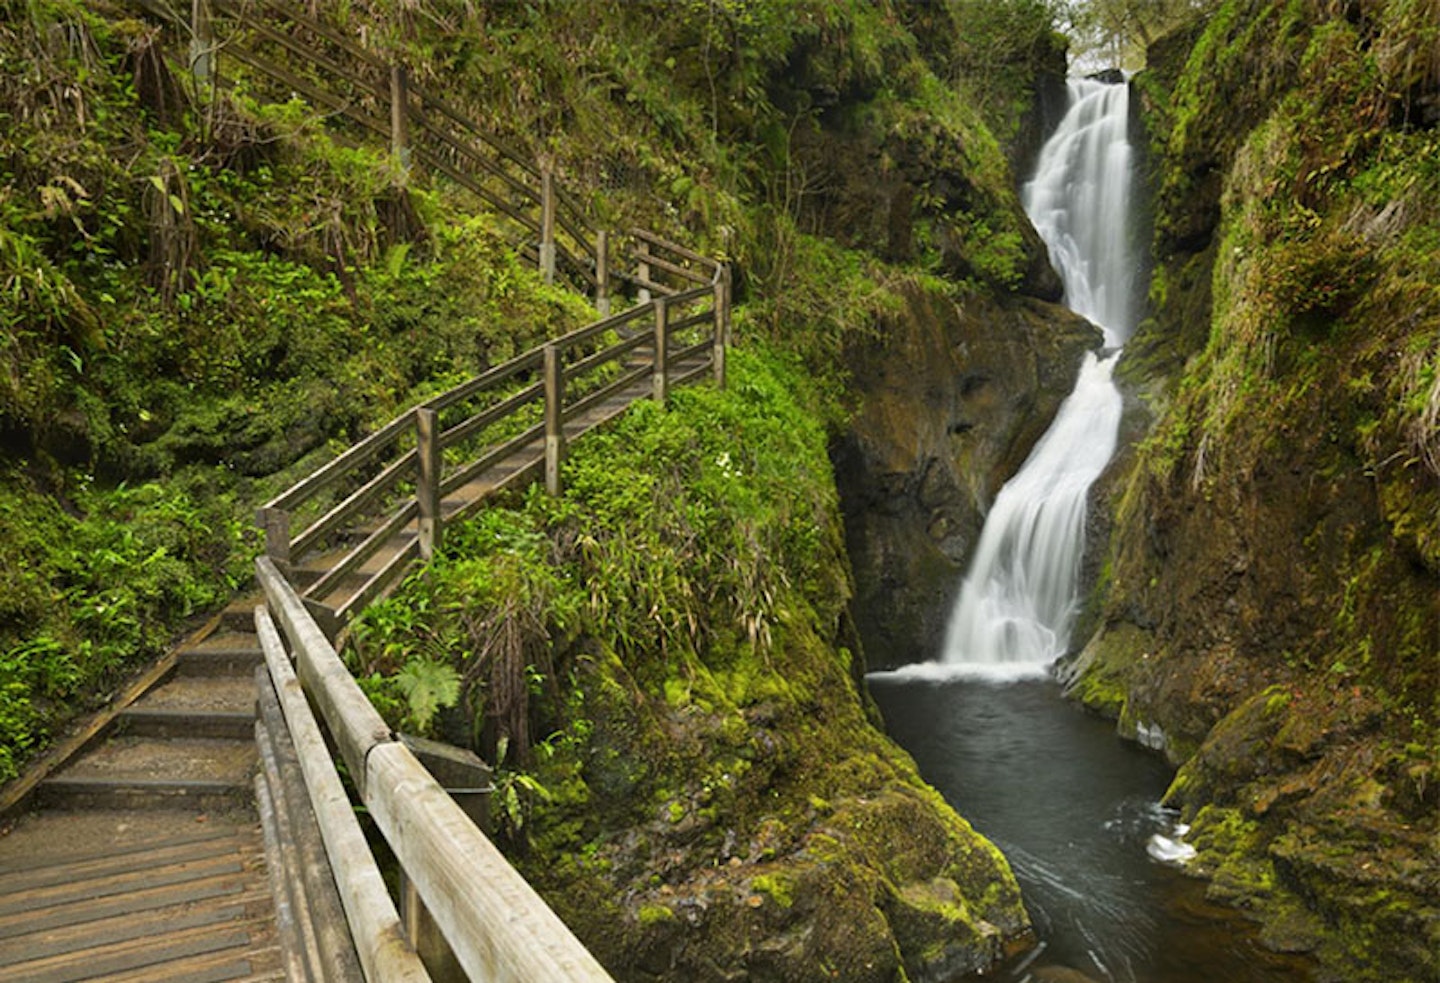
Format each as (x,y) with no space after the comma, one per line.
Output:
(436,463)
(495,925)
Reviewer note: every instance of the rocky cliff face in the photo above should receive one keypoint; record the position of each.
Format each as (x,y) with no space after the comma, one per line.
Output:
(955,391)
(1271,597)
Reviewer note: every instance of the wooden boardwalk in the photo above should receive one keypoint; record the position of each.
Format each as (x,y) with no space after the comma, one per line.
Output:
(145,859)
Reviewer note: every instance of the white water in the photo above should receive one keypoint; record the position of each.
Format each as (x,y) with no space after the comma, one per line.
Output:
(1019,600)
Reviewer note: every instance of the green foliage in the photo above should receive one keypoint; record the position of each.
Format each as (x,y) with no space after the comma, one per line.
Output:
(992,51)
(184,325)
(428,687)
(85,597)
(1119,32)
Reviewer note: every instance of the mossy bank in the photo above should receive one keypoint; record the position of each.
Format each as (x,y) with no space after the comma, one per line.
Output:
(1271,595)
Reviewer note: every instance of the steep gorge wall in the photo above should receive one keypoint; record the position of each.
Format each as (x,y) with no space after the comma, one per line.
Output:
(954,393)
(1271,595)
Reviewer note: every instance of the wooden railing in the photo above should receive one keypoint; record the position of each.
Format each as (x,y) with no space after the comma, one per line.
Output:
(494,924)
(435,463)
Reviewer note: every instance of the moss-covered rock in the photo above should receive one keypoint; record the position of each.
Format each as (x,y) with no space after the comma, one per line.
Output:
(1272,592)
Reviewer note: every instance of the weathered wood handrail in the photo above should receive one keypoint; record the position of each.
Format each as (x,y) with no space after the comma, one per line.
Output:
(423,129)
(647,340)
(495,924)
(375,927)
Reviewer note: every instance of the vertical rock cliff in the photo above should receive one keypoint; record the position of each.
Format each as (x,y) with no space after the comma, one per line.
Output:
(1270,597)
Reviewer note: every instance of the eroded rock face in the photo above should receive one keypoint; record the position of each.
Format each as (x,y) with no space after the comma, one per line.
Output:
(953,396)
(1271,592)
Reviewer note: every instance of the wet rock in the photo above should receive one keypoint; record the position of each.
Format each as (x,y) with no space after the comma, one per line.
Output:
(952,399)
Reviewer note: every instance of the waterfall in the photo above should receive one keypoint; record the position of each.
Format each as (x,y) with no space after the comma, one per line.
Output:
(1019,599)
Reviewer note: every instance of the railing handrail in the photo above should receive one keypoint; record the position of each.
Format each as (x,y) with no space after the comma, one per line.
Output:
(367,448)
(495,923)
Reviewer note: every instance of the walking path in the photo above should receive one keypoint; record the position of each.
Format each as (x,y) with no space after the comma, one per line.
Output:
(146,860)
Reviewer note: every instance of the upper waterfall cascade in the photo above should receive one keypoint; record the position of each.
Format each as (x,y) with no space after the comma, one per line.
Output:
(1019,600)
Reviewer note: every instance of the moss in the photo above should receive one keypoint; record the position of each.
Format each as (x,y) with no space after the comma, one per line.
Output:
(655,914)
(1098,677)
(779,887)
(1229,850)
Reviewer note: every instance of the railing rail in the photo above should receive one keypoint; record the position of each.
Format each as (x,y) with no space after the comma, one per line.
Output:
(495,924)
(380,485)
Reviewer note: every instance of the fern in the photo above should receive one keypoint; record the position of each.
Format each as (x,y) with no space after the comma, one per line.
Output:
(428,687)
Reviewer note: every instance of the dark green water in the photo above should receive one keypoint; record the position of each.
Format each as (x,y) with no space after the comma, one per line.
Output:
(1073,808)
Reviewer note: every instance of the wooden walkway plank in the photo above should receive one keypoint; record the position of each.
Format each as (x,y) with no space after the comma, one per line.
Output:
(144,859)
(122,883)
(193,909)
(48,868)
(134,954)
(94,909)
(255,965)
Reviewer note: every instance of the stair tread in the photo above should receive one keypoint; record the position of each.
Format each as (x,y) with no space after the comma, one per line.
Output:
(159,761)
(227,641)
(200,694)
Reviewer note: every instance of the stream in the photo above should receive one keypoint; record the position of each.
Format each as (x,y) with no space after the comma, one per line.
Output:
(1074,807)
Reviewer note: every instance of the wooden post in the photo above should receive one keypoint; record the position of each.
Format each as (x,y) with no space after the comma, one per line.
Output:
(276,523)
(427,482)
(602,273)
(400,117)
(425,936)
(642,273)
(202,49)
(722,309)
(554,418)
(729,291)
(658,380)
(547,223)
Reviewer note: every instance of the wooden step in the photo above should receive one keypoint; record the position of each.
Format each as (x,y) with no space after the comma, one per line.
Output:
(52,866)
(239,614)
(64,792)
(233,725)
(187,909)
(128,772)
(231,694)
(212,706)
(228,653)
